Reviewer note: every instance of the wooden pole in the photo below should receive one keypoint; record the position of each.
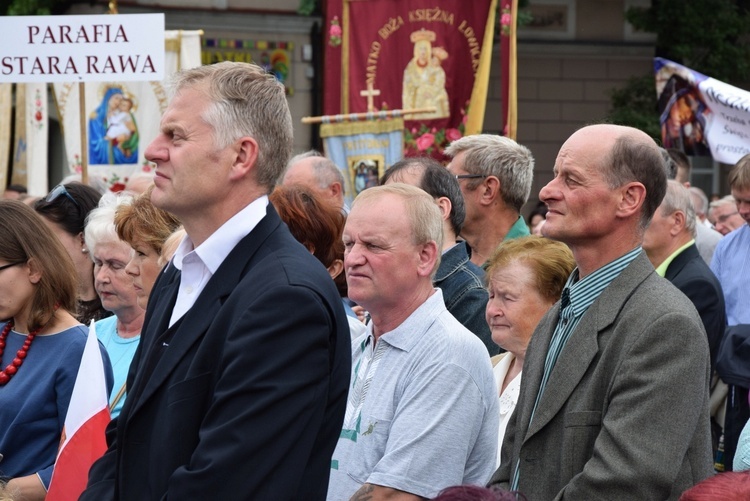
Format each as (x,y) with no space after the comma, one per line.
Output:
(82,124)
(353,117)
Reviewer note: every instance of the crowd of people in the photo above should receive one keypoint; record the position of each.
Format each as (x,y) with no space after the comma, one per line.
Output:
(262,339)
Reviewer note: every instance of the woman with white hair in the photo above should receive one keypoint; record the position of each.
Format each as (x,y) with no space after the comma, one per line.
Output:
(121,332)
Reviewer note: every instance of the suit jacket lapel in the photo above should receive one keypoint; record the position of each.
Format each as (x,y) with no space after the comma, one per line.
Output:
(583,345)
(198,319)
(680,261)
(533,368)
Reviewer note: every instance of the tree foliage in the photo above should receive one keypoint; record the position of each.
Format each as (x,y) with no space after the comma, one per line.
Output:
(708,36)
(36,7)
(635,105)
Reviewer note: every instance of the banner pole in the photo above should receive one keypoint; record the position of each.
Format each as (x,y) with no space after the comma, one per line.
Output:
(377,115)
(82,124)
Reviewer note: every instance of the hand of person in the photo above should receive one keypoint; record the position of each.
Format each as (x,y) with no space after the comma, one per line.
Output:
(360,312)
(28,488)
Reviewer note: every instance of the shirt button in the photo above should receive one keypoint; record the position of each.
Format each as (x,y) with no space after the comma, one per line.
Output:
(189,289)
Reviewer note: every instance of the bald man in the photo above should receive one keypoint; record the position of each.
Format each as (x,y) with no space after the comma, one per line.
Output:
(614,397)
(317,173)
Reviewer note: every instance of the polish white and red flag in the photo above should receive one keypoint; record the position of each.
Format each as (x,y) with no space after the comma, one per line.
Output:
(83,440)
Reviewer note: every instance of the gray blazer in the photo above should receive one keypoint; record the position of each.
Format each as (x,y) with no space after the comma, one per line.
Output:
(625,412)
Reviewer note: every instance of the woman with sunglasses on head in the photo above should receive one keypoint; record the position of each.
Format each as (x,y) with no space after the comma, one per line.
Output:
(64,210)
(41,344)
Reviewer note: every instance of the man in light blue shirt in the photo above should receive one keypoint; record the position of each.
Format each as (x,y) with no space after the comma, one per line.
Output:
(731,261)
(422,412)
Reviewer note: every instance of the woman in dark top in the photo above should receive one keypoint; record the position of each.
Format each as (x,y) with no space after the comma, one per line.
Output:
(64,210)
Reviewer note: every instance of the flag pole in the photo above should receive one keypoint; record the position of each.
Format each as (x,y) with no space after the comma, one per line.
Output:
(513,74)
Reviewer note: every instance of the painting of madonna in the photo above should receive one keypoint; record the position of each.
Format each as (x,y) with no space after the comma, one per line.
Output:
(113,133)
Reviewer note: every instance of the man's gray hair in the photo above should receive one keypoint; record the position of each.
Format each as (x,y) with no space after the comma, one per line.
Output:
(638,159)
(499,156)
(245,101)
(727,200)
(325,171)
(700,200)
(676,199)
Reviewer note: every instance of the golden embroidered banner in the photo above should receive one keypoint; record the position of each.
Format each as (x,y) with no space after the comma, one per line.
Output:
(398,54)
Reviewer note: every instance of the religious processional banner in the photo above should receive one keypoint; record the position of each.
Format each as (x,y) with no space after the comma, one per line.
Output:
(45,49)
(700,115)
(408,54)
(24,148)
(31,138)
(273,56)
(363,150)
(122,117)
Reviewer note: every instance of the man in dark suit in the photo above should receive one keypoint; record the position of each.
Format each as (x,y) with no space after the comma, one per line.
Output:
(669,243)
(614,398)
(238,388)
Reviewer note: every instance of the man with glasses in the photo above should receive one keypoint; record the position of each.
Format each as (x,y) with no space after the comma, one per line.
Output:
(495,175)
(724,215)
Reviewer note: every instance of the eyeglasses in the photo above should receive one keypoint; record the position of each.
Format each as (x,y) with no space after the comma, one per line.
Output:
(57,191)
(469,176)
(723,218)
(6,266)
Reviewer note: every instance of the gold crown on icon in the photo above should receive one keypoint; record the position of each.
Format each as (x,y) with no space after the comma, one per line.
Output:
(422,34)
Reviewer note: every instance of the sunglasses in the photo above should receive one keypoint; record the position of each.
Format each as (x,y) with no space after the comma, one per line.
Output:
(469,176)
(6,266)
(57,191)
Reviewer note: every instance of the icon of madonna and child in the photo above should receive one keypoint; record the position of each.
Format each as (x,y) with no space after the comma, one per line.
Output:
(113,132)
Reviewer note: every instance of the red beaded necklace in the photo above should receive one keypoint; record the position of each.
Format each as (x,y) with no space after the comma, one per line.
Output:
(13,367)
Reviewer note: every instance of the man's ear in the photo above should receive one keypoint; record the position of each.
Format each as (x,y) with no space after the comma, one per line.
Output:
(445,206)
(335,189)
(490,190)
(633,195)
(679,222)
(246,157)
(428,255)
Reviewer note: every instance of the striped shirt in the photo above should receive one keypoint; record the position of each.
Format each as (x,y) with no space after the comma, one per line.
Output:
(576,298)
(731,265)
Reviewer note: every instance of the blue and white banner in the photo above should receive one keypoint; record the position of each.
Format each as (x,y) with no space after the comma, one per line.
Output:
(363,151)
(700,115)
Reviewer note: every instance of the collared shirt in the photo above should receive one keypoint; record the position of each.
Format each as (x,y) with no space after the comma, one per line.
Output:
(424,392)
(731,265)
(199,264)
(576,299)
(518,230)
(661,270)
